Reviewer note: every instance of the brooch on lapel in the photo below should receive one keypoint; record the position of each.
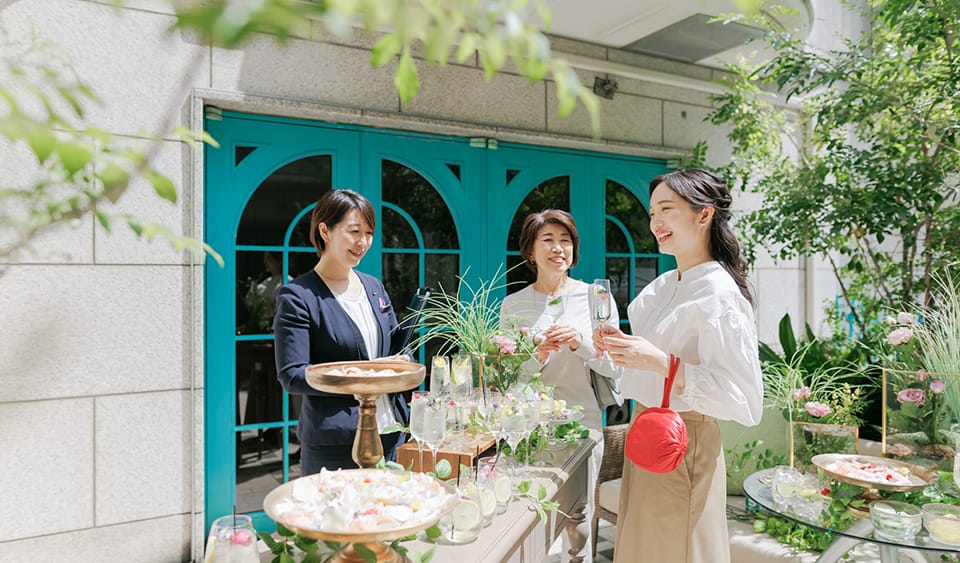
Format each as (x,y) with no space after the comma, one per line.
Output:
(384,306)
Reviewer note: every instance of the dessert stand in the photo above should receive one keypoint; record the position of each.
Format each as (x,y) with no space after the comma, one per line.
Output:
(367,449)
(376,542)
(367,452)
(919,477)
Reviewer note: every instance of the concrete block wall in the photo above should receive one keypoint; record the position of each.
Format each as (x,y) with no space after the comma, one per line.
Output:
(101,419)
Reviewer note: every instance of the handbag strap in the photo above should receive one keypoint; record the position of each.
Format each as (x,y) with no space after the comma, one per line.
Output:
(668,386)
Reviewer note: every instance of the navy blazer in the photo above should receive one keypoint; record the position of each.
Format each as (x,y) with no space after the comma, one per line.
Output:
(312,328)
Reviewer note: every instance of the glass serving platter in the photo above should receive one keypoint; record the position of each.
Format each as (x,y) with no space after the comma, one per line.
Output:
(917,477)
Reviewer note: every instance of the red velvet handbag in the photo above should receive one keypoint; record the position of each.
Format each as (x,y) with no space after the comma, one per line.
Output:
(657,439)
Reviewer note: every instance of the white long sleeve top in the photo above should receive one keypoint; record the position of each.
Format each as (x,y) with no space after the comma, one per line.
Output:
(567,370)
(705,321)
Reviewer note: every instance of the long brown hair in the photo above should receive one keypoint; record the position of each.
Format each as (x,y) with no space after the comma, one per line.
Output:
(702,189)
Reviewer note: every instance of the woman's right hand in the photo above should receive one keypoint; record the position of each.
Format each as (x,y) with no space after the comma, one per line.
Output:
(601,333)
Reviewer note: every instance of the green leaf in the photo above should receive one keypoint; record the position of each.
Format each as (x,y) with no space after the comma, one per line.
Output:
(365,553)
(311,557)
(113,178)
(267,539)
(74,156)
(305,543)
(405,78)
(541,492)
(385,49)
(433,532)
(334,545)
(468,44)
(787,340)
(283,531)
(524,486)
(42,143)
(162,185)
(285,558)
(105,220)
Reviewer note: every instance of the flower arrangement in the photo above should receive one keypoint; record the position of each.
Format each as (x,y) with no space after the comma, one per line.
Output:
(469,321)
(921,395)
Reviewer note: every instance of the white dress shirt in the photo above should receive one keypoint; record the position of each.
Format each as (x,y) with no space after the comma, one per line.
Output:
(705,321)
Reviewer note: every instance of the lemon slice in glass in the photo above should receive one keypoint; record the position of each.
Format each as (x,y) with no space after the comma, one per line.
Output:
(488,501)
(459,376)
(466,515)
(502,489)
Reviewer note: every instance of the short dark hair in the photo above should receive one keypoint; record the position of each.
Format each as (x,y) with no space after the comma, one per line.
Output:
(536,221)
(332,207)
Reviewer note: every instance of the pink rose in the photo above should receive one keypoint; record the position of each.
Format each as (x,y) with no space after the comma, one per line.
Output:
(524,329)
(937,386)
(242,537)
(816,409)
(921,374)
(915,396)
(801,393)
(900,336)
(504,344)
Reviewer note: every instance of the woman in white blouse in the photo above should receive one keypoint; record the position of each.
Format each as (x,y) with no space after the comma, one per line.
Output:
(549,243)
(701,313)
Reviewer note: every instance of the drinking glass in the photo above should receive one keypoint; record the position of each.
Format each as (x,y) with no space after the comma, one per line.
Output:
(462,524)
(434,424)
(461,383)
(483,483)
(490,407)
(502,483)
(417,405)
(440,374)
(232,540)
(601,305)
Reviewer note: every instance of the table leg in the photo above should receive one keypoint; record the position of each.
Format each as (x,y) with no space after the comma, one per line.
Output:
(840,546)
(577,531)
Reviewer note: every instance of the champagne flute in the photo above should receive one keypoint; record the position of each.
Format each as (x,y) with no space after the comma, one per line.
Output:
(601,305)
(417,405)
(513,424)
(531,418)
(434,424)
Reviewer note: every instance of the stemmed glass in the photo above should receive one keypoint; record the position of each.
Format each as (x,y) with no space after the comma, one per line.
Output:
(531,418)
(434,424)
(601,306)
(513,424)
(546,413)
(490,408)
(554,308)
(417,405)
(461,384)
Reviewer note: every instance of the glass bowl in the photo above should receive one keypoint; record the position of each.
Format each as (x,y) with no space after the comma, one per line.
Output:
(943,522)
(895,520)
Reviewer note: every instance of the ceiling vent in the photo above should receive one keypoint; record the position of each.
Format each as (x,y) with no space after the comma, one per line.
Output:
(694,38)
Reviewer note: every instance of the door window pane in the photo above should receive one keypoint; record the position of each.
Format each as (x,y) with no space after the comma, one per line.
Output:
(627,209)
(409,190)
(279,199)
(550,194)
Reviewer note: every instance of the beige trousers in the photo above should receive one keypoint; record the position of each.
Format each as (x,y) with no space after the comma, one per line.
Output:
(677,517)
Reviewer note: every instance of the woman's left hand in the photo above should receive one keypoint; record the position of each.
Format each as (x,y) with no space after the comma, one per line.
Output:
(562,335)
(636,352)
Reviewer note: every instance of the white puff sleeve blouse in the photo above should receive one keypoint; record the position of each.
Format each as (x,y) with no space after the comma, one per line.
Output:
(705,321)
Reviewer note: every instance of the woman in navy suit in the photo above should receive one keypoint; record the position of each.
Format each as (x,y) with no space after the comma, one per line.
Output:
(335,313)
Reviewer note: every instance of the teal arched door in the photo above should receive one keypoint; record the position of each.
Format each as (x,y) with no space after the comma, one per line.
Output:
(444,209)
